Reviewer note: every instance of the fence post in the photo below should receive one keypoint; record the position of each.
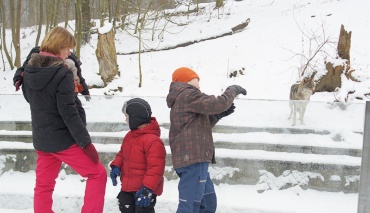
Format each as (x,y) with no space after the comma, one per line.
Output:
(364,190)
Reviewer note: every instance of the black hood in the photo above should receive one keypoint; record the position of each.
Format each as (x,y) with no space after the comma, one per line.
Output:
(41,70)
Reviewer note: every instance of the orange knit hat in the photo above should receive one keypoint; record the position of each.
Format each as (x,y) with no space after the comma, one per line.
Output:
(184,74)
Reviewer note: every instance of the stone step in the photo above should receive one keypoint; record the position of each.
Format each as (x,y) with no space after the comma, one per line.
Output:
(26,136)
(270,170)
(117,127)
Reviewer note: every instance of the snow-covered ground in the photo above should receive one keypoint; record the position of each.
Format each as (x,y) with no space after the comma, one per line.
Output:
(264,49)
(345,132)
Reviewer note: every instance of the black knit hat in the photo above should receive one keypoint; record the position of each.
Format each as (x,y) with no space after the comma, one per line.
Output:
(138,112)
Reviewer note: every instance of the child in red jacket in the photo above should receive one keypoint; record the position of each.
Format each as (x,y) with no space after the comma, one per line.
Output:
(141,160)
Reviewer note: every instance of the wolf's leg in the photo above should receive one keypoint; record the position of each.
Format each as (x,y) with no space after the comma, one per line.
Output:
(291,109)
(303,110)
(294,113)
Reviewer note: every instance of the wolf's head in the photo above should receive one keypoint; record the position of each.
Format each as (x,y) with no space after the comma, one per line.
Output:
(308,83)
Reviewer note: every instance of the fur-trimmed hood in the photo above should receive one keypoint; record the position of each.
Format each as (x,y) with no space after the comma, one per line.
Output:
(38,60)
(41,69)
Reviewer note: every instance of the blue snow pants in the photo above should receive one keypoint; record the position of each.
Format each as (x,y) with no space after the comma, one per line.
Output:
(196,190)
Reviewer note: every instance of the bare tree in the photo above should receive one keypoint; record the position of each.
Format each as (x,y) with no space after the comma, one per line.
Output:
(40,19)
(56,12)
(138,4)
(85,22)
(104,13)
(142,25)
(1,49)
(124,13)
(109,7)
(116,12)
(315,44)
(48,14)
(3,23)
(78,28)
(15,20)
(66,4)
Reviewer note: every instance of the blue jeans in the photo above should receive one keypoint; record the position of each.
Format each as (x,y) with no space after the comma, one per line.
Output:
(196,190)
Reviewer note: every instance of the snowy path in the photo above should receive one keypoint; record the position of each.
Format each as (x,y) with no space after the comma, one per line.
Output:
(16,186)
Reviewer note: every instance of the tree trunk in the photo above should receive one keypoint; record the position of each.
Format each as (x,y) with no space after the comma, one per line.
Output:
(124,12)
(330,81)
(66,13)
(219,3)
(15,20)
(116,13)
(344,44)
(140,73)
(1,50)
(86,21)
(41,12)
(138,15)
(107,57)
(3,29)
(48,12)
(109,11)
(56,13)
(103,13)
(78,28)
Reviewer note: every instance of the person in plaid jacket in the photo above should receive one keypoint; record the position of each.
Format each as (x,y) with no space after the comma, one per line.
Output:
(192,116)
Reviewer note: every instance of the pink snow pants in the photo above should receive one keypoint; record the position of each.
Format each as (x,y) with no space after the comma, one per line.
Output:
(47,169)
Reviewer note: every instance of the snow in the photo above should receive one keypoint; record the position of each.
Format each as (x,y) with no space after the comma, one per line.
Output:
(266,52)
(106,28)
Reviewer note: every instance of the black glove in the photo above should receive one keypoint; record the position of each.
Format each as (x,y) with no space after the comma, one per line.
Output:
(226,113)
(239,89)
(87,97)
(143,197)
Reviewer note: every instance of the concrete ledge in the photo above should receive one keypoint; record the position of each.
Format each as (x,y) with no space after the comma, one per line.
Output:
(219,144)
(318,176)
(116,127)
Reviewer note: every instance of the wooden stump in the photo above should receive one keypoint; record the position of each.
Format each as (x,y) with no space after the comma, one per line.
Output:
(332,79)
(107,57)
(344,44)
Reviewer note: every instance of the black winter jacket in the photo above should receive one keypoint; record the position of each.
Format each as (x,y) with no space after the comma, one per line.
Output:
(49,89)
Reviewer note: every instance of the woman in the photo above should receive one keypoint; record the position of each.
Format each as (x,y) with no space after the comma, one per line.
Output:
(58,131)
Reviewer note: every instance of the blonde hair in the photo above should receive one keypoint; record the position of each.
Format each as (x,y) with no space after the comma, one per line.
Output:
(57,39)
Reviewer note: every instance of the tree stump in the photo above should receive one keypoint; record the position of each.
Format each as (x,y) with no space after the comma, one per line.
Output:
(332,80)
(344,44)
(107,57)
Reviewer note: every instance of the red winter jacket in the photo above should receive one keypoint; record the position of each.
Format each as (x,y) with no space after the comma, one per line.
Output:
(142,159)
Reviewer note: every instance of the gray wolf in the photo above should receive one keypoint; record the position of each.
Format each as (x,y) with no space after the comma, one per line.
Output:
(299,97)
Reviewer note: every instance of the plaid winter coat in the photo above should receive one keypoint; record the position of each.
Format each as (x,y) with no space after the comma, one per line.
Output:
(192,120)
